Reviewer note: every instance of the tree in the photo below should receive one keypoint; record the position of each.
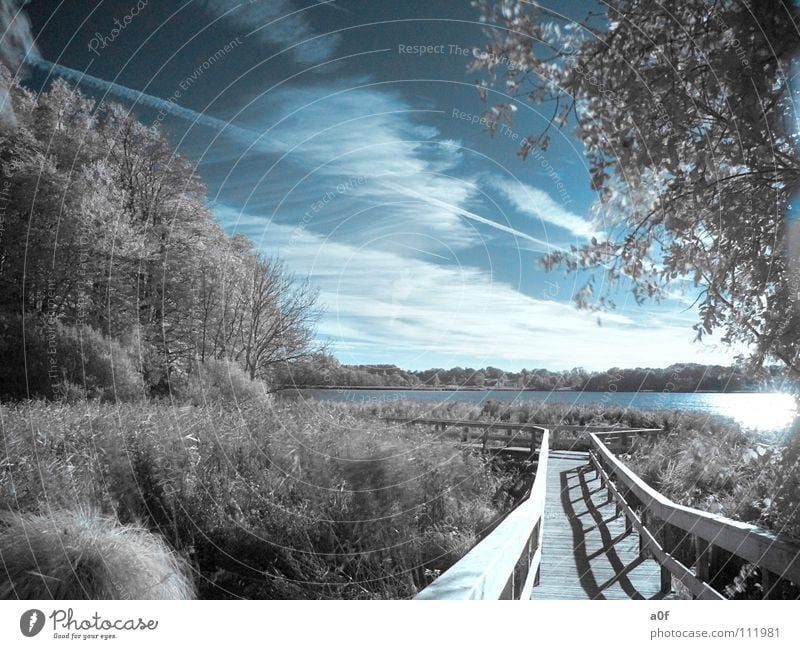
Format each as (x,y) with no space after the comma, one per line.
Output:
(685,113)
(478,379)
(279,317)
(105,226)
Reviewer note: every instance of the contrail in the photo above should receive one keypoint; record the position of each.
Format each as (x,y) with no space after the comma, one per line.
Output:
(246,136)
(141,98)
(16,42)
(471,215)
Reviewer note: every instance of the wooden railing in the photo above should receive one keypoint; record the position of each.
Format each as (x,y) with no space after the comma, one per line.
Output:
(703,551)
(471,431)
(504,565)
(523,435)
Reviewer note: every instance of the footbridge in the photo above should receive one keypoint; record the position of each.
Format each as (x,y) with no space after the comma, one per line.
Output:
(590,528)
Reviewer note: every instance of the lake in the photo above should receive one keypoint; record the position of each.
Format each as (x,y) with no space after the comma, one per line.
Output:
(761,411)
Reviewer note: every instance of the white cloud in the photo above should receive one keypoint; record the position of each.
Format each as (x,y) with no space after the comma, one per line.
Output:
(279,23)
(385,305)
(538,204)
(414,191)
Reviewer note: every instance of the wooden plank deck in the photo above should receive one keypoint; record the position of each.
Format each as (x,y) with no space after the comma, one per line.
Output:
(586,553)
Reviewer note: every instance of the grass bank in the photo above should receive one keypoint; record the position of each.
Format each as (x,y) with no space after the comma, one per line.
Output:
(268,500)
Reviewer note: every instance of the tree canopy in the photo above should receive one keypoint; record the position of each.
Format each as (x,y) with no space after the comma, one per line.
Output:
(105,228)
(686,114)
(325,371)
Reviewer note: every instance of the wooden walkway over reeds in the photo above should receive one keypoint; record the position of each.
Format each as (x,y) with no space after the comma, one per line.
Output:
(592,529)
(587,550)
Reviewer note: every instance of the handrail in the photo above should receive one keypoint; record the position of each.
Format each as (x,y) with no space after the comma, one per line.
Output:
(527,426)
(470,423)
(776,557)
(505,564)
(525,432)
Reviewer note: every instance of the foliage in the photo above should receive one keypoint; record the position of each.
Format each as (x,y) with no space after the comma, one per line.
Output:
(685,113)
(82,555)
(729,474)
(324,370)
(268,500)
(99,366)
(222,381)
(72,362)
(106,226)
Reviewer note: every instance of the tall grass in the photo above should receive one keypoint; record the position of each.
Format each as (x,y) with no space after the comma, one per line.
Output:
(730,473)
(701,460)
(265,500)
(537,412)
(81,555)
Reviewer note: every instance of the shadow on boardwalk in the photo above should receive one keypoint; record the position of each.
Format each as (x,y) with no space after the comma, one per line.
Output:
(587,553)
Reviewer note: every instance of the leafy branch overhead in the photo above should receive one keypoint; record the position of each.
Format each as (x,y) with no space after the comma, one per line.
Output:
(686,116)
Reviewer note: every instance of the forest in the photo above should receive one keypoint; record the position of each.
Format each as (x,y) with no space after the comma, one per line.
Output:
(323,370)
(116,281)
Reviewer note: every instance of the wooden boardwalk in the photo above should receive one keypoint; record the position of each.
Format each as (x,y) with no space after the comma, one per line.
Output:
(579,535)
(586,552)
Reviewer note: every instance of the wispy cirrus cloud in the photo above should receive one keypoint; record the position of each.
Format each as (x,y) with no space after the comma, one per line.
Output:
(538,204)
(415,192)
(280,23)
(386,306)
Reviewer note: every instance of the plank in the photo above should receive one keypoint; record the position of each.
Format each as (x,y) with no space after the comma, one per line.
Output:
(587,552)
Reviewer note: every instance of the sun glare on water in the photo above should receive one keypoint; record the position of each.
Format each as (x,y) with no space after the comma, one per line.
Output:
(769,411)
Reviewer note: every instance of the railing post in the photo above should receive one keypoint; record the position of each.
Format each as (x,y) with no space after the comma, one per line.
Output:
(702,562)
(668,543)
(642,543)
(485,437)
(768,582)
(626,494)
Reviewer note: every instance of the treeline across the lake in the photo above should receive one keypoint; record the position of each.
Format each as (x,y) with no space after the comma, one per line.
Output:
(116,281)
(324,370)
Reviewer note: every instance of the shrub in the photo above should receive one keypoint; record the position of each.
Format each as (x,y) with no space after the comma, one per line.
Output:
(23,365)
(98,364)
(64,361)
(221,381)
(81,555)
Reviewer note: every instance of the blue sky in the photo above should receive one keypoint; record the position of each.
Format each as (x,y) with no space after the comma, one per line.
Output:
(324,140)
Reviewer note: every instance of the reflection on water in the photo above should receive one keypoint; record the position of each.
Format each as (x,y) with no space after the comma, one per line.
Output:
(761,411)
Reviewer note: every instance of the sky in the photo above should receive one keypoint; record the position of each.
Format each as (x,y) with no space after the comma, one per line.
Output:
(328,138)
